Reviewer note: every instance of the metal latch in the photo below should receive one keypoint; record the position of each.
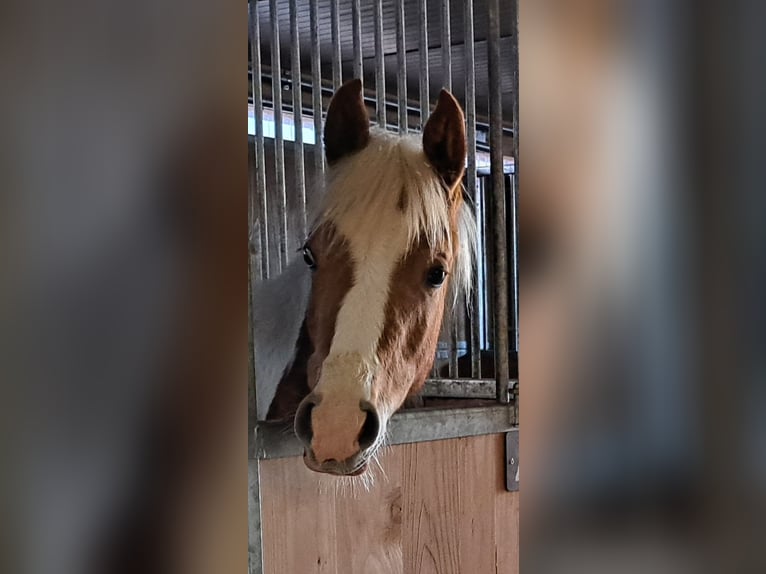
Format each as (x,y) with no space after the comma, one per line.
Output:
(512,460)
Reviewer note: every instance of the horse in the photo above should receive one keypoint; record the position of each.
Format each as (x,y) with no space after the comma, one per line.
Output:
(349,330)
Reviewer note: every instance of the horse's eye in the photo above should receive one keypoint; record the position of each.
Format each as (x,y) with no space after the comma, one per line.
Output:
(308,257)
(436,276)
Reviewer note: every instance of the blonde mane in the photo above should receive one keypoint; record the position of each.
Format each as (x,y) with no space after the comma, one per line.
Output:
(392,170)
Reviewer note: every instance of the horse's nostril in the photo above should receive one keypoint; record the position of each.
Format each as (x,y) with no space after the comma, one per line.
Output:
(303,419)
(371,427)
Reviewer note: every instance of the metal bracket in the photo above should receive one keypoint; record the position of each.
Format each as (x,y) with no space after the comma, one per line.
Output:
(275,439)
(512,461)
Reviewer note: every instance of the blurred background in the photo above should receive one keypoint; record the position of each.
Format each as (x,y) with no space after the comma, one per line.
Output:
(124,267)
(641,319)
(123,214)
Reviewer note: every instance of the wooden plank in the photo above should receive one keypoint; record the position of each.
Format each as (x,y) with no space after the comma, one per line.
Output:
(298,519)
(442,508)
(476,472)
(506,516)
(369,524)
(431,510)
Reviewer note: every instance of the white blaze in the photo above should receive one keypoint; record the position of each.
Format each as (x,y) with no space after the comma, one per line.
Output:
(380,201)
(375,252)
(361,317)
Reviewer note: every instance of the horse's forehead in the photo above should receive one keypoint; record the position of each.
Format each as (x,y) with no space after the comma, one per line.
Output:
(358,295)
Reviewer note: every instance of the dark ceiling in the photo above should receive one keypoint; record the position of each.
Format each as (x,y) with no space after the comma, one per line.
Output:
(412,38)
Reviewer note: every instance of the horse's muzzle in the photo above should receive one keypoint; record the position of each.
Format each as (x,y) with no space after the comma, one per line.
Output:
(340,441)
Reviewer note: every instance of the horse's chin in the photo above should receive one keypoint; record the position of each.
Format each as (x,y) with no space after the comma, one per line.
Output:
(311,464)
(358,471)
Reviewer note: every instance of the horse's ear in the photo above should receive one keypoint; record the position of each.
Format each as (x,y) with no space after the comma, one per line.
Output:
(444,139)
(347,127)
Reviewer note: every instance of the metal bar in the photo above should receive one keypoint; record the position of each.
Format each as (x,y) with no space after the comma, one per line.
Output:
(316,86)
(254,529)
(380,66)
(337,72)
(498,196)
(401,59)
(483,292)
(276,92)
(446,47)
(439,424)
(459,388)
(295,74)
(255,542)
(413,104)
(425,103)
(514,206)
(356,15)
(275,439)
(413,110)
(453,345)
(515,192)
(260,153)
(253,228)
(252,414)
(470,175)
(256,253)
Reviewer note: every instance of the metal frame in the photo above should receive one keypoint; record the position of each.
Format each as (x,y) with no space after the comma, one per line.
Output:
(276,440)
(464,388)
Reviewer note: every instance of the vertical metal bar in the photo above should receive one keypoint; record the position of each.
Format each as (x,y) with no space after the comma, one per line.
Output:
(424,76)
(484,291)
(337,73)
(295,74)
(470,181)
(514,207)
(453,346)
(276,91)
(260,153)
(498,200)
(401,60)
(446,47)
(356,15)
(255,255)
(316,87)
(255,543)
(257,250)
(252,392)
(515,189)
(255,538)
(254,259)
(380,66)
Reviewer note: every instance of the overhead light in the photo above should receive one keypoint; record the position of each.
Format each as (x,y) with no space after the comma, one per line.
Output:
(288,126)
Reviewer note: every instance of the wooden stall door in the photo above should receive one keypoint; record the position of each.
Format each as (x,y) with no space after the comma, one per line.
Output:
(440,508)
